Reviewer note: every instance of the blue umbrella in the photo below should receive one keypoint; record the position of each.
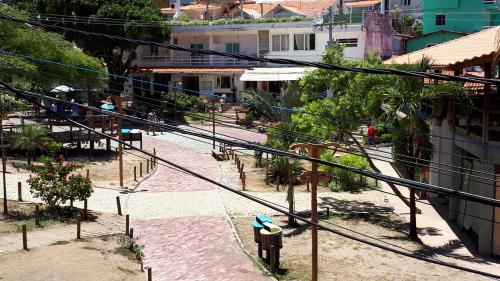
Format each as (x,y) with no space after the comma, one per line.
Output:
(107,106)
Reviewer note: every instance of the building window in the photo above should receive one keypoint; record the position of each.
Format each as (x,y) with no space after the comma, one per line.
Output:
(348,42)
(197,47)
(233,48)
(440,19)
(407,2)
(281,43)
(304,42)
(153,50)
(206,85)
(224,82)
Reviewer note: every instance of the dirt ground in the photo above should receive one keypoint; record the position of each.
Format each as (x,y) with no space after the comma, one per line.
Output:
(256,178)
(344,259)
(96,259)
(24,213)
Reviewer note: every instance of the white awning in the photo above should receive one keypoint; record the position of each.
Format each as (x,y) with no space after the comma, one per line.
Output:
(275,73)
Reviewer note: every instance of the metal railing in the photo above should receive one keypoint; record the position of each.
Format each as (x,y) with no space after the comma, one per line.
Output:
(195,60)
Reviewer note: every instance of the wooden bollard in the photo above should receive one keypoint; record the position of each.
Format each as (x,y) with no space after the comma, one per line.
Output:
(154,153)
(243,180)
(127,224)
(140,169)
(118,205)
(147,166)
(37,215)
(150,274)
(135,173)
(278,183)
(71,203)
(88,174)
(78,228)
(116,153)
(19,192)
(308,186)
(131,233)
(25,238)
(241,170)
(85,208)
(142,266)
(327,211)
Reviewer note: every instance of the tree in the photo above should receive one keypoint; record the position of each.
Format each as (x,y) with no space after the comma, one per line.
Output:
(31,138)
(33,73)
(55,182)
(118,55)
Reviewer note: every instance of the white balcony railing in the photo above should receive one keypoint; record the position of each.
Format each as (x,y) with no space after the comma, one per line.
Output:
(204,60)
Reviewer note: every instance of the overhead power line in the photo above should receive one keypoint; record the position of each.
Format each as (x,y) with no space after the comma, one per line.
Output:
(326,66)
(26,96)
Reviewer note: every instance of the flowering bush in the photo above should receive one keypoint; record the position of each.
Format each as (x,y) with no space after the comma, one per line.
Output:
(55,182)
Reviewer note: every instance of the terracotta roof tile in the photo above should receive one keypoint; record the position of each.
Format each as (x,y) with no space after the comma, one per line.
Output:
(460,50)
(361,3)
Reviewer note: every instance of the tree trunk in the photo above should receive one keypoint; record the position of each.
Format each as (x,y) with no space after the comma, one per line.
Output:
(374,168)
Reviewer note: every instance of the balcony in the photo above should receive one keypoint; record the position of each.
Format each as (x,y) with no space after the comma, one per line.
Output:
(195,60)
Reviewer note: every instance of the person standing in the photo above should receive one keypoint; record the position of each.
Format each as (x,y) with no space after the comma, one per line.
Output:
(371,135)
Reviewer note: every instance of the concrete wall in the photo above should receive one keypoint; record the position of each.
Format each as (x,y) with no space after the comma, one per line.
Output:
(419,43)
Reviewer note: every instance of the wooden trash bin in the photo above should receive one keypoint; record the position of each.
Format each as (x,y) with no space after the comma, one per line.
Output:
(271,237)
(257,226)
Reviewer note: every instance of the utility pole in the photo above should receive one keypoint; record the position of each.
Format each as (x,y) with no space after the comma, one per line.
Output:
(330,27)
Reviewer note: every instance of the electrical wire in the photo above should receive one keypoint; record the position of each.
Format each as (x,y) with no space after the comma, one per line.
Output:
(271,206)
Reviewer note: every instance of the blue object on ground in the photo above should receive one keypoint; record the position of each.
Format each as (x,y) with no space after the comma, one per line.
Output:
(261,219)
(125,131)
(257,225)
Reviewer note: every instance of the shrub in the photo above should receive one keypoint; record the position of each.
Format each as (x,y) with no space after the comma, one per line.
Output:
(131,245)
(343,180)
(278,167)
(30,139)
(182,102)
(55,182)
(386,138)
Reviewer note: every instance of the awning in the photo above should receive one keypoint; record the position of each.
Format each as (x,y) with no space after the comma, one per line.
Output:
(192,70)
(275,73)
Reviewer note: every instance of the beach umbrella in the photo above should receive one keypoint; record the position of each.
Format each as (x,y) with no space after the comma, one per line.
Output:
(62,89)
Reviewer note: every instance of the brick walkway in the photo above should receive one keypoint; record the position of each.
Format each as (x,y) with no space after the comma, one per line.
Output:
(183,224)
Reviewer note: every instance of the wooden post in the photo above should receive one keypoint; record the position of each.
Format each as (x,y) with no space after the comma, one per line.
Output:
(213,122)
(90,145)
(131,233)
(19,192)
(314,212)
(278,183)
(290,197)
(147,166)
(135,173)
(118,205)
(120,151)
(241,170)
(272,258)
(127,224)
(308,189)
(88,174)
(25,238)
(267,168)
(150,274)
(140,169)
(243,180)
(85,208)
(78,228)
(37,215)
(154,153)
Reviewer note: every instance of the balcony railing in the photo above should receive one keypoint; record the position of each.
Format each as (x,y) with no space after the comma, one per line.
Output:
(204,60)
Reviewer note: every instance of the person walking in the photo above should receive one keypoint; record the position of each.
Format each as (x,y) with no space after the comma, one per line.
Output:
(371,135)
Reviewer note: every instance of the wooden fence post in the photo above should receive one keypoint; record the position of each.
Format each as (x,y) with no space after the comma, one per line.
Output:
(131,233)
(243,180)
(19,192)
(127,224)
(147,166)
(78,228)
(25,238)
(278,183)
(37,215)
(85,208)
(140,169)
(150,274)
(241,170)
(135,173)
(118,205)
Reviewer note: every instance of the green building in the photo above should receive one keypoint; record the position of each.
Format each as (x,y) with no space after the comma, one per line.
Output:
(444,20)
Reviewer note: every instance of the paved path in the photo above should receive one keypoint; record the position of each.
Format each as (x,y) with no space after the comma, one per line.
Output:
(182,222)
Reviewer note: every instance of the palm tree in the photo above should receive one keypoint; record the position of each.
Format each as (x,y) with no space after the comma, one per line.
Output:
(31,138)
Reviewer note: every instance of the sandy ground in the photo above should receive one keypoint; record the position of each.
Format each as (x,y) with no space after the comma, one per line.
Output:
(256,178)
(95,259)
(343,259)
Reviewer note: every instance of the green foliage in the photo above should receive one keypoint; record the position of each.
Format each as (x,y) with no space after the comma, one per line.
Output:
(386,138)
(343,180)
(223,21)
(31,138)
(182,102)
(117,54)
(55,182)
(27,74)
(131,245)
(279,167)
